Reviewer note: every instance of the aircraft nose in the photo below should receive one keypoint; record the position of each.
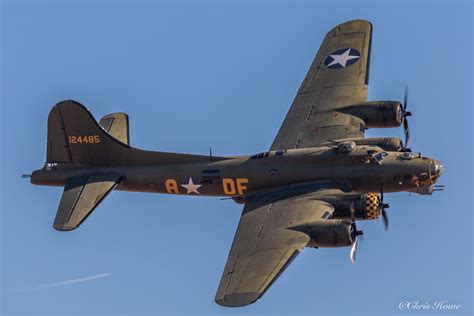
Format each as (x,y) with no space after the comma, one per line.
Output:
(436,168)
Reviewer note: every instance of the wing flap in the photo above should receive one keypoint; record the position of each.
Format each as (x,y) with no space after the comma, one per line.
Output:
(81,196)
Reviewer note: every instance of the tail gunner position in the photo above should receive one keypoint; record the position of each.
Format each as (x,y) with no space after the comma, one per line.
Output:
(319,177)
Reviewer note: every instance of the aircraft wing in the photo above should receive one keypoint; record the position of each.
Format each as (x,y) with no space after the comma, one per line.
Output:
(81,196)
(264,245)
(338,76)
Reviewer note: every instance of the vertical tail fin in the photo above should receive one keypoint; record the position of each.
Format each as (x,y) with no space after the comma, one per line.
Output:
(74,136)
(57,148)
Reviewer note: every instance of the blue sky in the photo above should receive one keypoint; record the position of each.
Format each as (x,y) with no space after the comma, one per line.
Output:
(194,75)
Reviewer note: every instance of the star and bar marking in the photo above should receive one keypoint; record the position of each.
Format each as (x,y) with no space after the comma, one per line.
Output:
(342,58)
(229,186)
(191,187)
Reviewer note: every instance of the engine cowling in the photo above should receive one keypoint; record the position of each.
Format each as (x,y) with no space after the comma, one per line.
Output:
(329,233)
(376,114)
(355,206)
(386,143)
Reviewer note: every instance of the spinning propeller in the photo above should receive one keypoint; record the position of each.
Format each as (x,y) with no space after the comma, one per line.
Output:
(404,115)
(354,234)
(382,206)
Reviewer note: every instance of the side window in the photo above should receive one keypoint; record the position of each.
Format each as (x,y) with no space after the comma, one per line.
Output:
(268,154)
(50,165)
(210,176)
(380,156)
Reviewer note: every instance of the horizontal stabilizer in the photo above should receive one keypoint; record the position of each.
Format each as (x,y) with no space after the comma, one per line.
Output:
(116,124)
(81,196)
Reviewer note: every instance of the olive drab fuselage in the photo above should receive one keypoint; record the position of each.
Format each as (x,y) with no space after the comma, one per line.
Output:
(358,170)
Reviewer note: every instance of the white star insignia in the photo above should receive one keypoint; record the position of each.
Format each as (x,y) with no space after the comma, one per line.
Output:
(191,187)
(342,59)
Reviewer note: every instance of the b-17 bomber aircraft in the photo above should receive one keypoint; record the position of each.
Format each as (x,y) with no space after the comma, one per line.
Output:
(318,178)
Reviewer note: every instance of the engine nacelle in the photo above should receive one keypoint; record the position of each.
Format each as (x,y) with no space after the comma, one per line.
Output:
(377,113)
(355,206)
(329,233)
(386,143)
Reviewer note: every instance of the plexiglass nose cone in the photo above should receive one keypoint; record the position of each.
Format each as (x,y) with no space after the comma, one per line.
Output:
(436,168)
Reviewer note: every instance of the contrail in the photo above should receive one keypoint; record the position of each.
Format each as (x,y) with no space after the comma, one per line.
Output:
(56,284)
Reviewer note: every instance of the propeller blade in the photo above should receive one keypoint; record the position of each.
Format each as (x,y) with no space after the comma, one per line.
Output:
(354,234)
(381,190)
(353,251)
(382,207)
(405,114)
(407,131)
(385,219)
(405,99)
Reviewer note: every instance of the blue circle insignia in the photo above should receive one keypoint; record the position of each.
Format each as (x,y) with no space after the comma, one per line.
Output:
(342,58)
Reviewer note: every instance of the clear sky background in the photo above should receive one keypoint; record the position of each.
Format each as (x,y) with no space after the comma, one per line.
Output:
(194,75)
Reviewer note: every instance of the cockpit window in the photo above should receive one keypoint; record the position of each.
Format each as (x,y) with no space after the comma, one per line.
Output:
(268,154)
(380,156)
(409,155)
